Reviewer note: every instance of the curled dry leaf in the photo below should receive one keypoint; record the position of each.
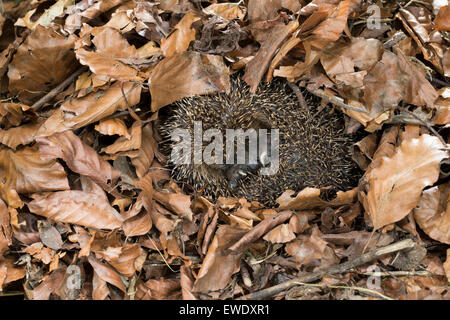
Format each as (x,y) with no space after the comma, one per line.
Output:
(124,259)
(26,172)
(112,127)
(262,228)
(176,202)
(218,265)
(77,207)
(308,250)
(331,28)
(146,154)
(100,290)
(280,234)
(187,74)
(46,18)
(126,144)
(162,289)
(46,58)
(106,273)
(48,286)
(179,39)
(432,213)
(255,69)
(111,50)
(186,282)
(10,272)
(226,10)
(414,165)
(22,135)
(139,222)
(78,156)
(91,108)
(5,228)
(309,198)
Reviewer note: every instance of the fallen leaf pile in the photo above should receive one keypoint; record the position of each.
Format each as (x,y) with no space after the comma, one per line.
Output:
(87,206)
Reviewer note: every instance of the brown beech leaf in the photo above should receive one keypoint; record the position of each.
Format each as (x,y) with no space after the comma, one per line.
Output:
(26,172)
(78,156)
(122,258)
(77,207)
(186,282)
(162,289)
(11,114)
(181,36)
(91,108)
(112,127)
(308,249)
(5,228)
(218,266)
(262,228)
(442,21)
(187,74)
(42,61)
(85,10)
(228,11)
(111,50)
(309,198)
(161,222)
(432,213)
(280,234)
(106,273)
(22,135)
(100,290)
(140,221)
(394,188)
(331,29)
(48,286)
(176,202)
(146,154)
(255,69)
(10,272)
(126,144)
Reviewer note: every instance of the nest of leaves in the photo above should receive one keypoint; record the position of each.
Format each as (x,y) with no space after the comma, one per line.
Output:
(88,209)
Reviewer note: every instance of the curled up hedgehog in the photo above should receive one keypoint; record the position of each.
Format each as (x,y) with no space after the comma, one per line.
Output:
(257,145)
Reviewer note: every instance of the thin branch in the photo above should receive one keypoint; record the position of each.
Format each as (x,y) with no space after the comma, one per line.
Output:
(54,92)
(299,95)
(321,94)
(343,267)
(361,289)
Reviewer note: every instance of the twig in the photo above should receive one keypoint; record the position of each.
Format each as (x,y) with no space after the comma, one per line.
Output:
(321,94)
(362,289)
(399,274)
(299,95)
(49,96)
(368,257)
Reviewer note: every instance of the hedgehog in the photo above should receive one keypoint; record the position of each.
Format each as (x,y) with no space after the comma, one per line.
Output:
(313,150)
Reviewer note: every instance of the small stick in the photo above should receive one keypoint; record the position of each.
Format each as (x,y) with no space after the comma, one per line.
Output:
(368,257)
(400,274)
(49,96)
(321,94)
(299,95)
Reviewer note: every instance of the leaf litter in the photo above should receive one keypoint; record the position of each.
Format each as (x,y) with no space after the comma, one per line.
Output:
(85,187)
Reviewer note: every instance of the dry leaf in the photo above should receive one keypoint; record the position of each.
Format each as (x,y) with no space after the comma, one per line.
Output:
(77,207)
(432,213)
(414,165)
